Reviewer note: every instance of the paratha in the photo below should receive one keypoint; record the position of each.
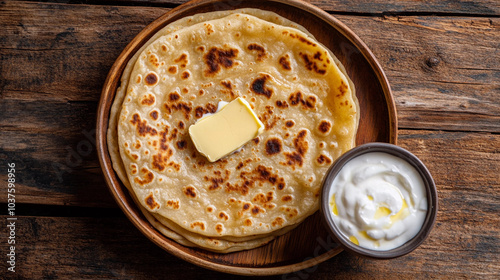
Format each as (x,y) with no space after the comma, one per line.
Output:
(295,86)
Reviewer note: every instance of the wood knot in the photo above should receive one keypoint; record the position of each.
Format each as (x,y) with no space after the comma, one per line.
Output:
(432,61)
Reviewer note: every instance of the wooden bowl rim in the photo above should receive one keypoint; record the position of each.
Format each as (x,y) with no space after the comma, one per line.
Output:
(114,184)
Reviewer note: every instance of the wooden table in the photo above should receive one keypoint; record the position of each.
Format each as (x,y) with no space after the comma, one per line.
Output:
(442,60)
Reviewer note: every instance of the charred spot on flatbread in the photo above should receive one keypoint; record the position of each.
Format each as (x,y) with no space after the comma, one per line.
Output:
(259,87)
(260,50)
(217,58)
(151,79)
(273,146)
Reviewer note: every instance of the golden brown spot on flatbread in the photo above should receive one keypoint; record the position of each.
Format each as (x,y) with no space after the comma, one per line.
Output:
(146,179)
(181,125)
(222,215)
(209,28)
(151,203)
(311,64)
(160,160)
(241,188)
(148,100)
(164,140)
(256,210)
(281,104)
(174,96)
(228,88)
(189,191)
(154,115)
(210,209)
(173,135)
(164,48)
(183,60)
(278,222)
(289,123)
(342,89)
(291,212)
(173,204)
(201,92)
(263,198)
(185,75)
(201,225)
(180,106)
(241,164)
(287,198)
(138,79)
(217,180)
(298,98)
(201,48)
(153,59)
(268,118)
(151,79)
(285,62)
(246,206)
(258,86)
(302,39)
(248,222)
(181,145)
(219,228)
(200,111)
(138,144)
(273,146)
(134,169)
(217,58)
(256,140)
(142,126)
(301,146)
(259,175)
(172,69)
(323,159)
(227,84)
(325,126)
(261,51)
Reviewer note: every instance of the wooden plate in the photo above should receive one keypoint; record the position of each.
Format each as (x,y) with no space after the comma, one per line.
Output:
(308,244)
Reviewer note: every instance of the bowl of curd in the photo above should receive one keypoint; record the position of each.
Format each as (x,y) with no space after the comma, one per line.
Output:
(379,201)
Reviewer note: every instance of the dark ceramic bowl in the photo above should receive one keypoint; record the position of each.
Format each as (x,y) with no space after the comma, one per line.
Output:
(432,201)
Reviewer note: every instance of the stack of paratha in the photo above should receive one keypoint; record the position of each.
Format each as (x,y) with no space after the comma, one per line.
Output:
(295,85)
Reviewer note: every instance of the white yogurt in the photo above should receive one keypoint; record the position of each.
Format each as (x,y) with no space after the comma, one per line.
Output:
(378,201)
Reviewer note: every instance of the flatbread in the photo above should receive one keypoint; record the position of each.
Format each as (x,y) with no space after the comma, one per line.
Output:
(272,184)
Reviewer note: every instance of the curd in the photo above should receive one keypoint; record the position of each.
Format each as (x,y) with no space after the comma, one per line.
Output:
(378,201)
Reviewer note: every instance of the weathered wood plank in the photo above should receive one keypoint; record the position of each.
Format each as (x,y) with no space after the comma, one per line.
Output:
(463,244)
(47,120)
(439,68)
(443,71)
(467,165)
(482,7)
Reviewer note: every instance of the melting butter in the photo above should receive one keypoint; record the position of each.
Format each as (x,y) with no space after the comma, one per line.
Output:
(378,201)
(220,134)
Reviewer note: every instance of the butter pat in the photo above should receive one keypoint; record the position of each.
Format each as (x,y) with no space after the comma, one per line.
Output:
(220,134)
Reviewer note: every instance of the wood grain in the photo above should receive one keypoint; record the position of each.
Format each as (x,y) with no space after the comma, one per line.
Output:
(444,72)
(464,243)
(371,7)
(444,75)
(50,69)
